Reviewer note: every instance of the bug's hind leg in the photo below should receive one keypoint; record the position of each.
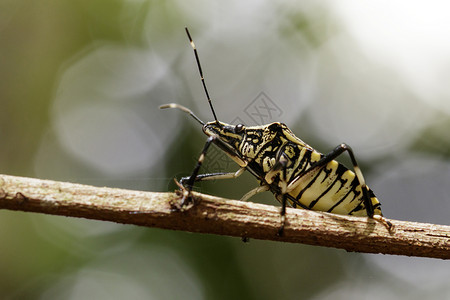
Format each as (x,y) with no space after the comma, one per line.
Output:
(365,189)
(385,222)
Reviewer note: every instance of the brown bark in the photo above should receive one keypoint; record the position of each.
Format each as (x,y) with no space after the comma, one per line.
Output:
(225,217)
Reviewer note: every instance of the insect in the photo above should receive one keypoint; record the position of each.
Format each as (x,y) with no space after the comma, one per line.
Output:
(283,164)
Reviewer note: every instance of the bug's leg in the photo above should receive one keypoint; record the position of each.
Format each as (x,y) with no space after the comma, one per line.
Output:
(365,190)
(280,169)
(209,176)
(283,216)
(255,191)
(284,164)
(189,182)
(187,187)
(250,194)
(214,176)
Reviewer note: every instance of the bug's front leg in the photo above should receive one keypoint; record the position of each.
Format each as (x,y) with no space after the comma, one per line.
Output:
(187,183)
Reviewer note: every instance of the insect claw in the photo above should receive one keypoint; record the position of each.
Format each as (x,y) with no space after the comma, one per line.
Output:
(385,222)
(280,232)
(186,197)
(182,188)
(186,200)
(245,239)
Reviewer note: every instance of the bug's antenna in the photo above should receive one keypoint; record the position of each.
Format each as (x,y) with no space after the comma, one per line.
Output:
(181,107)
(201,74)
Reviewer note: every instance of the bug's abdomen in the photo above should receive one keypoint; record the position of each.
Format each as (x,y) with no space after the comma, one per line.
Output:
(332,188)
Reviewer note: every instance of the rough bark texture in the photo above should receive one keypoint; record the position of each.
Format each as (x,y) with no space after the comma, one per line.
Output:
(221,216)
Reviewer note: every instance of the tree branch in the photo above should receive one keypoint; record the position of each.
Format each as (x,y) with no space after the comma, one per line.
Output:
(221,216)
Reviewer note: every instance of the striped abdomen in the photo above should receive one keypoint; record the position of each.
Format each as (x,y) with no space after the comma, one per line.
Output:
(332,188)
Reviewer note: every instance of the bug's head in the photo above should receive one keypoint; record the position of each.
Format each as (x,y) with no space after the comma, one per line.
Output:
(230,134)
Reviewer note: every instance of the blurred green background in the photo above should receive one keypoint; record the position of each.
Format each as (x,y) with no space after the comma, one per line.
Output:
(80,86)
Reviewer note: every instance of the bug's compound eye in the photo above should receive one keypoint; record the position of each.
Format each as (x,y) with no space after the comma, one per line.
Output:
(238,128)
(274,126)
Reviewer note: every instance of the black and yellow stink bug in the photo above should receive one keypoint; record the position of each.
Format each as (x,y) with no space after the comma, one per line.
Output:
(286,166)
